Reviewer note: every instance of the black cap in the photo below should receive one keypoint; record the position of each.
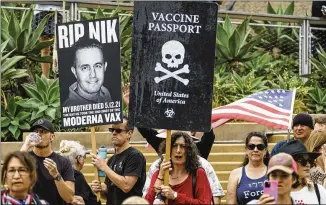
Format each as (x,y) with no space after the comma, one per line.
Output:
(303,119)
(46,124)
(296,147)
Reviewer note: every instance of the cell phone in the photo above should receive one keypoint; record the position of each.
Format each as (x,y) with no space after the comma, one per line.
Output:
(271,188)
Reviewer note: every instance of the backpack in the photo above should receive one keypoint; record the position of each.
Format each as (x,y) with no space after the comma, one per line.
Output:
(194,181)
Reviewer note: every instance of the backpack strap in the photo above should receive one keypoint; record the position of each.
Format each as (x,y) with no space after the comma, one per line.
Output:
(194,181)
(317,192)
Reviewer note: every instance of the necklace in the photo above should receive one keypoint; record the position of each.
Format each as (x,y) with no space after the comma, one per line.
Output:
(174,177)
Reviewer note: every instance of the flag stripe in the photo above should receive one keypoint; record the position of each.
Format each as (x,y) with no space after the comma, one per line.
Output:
(255,110)
(235,114)
(219,122)
(271,107)
(260,104)
(267,104)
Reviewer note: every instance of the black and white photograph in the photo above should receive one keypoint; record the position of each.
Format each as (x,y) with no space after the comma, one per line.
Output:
(89,72)
(172,65)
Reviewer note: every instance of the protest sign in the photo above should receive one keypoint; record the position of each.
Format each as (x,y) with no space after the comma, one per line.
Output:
(89,72)
(173,65)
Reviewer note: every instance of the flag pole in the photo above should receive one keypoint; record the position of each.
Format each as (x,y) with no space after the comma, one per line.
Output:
(167,158)
(291,114)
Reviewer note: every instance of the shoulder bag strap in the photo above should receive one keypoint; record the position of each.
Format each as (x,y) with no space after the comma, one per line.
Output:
(194,181)
(317,192)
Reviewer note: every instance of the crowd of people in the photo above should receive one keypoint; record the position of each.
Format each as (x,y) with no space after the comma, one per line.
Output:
(38,175)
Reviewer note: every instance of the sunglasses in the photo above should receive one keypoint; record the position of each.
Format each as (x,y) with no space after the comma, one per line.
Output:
(260,147)
(117,130)
(304,161)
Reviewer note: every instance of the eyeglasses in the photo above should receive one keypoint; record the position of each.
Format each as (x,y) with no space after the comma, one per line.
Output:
(117,130)
(260,147)
(21,171)
(304,161)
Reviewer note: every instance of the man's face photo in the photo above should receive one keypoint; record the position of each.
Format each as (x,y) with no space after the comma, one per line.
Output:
(89,69)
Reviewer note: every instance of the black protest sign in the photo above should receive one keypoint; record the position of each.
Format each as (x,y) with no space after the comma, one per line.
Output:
(173,65)
(89,72)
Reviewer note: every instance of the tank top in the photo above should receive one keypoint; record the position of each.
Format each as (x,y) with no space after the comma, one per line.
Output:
(249,189)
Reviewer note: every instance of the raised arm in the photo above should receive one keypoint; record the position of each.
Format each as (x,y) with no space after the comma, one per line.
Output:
(206,143)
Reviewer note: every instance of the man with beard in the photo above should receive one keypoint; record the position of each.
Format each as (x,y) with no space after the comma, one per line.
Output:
(302,127)
(55,177)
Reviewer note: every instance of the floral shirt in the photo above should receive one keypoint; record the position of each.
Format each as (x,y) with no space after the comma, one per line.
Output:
(6,199)
(317,175)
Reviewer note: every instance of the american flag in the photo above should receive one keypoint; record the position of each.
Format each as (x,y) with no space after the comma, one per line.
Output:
(272,108)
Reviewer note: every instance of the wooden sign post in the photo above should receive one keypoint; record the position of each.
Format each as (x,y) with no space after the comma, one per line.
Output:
(167,157)
(94,151)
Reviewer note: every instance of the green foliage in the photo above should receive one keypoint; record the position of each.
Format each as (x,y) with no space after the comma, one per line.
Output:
(319,67)
(247,84)
(231,87)
(222,88)
(233,45)
(8,71)
(20,36)
(44,99)
(14,119)
(277,39)
(317,102)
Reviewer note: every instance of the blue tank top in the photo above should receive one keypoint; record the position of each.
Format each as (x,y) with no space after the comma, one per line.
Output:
(249,189)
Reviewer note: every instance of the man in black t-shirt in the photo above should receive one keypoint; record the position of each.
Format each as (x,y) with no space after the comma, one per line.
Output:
(55,176)
(125,171)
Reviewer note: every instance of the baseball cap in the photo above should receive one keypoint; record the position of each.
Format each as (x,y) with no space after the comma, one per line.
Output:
(283,162)
(46,124)
(162,134)
(296,147)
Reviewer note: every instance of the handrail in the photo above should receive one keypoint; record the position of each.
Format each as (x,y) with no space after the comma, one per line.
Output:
(222,13)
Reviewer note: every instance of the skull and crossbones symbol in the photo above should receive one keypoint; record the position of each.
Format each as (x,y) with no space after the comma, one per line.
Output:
(173,53)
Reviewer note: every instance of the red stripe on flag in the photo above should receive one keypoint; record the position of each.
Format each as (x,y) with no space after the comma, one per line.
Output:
(258,104)
(236,107)
(252,119)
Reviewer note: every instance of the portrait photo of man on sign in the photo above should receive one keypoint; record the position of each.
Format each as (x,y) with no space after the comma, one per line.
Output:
(89,72)
(88,67)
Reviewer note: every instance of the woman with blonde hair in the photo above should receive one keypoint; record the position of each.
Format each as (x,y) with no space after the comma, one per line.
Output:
(76,154)
(317,143)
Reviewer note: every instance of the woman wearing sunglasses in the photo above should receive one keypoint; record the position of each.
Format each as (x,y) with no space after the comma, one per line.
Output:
(306,192)
(282,169)
(19,174)
(246,183)
(317,143)
(76,154)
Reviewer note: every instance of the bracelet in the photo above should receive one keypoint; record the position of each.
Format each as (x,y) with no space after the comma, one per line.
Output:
(160,179)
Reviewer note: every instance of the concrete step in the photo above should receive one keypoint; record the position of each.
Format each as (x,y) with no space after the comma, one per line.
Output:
(223,175)
(277,137)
